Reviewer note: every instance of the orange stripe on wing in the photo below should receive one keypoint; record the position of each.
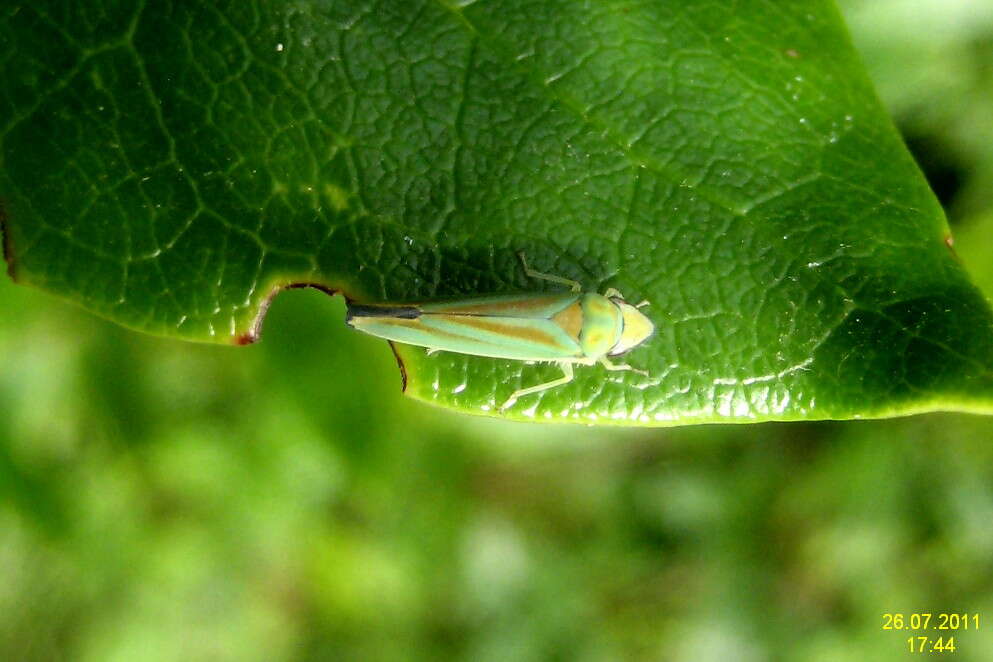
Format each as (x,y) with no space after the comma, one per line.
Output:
(406,323)
(469,322)
(509,308)
(536,336)
(570,320)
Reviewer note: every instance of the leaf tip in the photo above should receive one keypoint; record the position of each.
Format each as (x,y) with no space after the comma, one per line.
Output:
(8,243)
(254,331)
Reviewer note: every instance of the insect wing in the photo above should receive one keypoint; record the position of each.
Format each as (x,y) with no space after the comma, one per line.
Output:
(524,306)
(479,335)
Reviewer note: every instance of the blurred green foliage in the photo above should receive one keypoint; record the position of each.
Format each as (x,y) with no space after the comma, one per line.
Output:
(164,501)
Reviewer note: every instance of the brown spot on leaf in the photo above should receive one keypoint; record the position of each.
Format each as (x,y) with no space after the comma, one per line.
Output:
(245,339)
(950,244)
(255,331)
(949,240)
(8,243)
(792,52)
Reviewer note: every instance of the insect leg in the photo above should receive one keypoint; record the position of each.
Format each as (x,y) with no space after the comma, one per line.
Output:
(605,362)
(612,292)
(564,379)
(574,285)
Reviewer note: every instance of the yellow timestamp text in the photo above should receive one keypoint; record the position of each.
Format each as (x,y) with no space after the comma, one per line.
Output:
(928,621)
(924,644)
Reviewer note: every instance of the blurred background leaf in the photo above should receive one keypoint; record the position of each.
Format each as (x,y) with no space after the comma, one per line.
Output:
(162,501)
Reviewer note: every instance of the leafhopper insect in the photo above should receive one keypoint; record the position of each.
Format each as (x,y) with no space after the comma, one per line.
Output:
(565,328)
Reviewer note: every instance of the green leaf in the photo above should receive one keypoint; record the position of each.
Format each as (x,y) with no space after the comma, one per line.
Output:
(172,166)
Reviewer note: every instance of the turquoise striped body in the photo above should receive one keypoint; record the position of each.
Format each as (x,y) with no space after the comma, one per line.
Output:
(566,328)
(570,326)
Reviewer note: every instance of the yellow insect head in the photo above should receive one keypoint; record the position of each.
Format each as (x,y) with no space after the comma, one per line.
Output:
(636,330)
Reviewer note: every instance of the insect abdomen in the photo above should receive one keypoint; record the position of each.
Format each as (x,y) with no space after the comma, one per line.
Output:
(399,312)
